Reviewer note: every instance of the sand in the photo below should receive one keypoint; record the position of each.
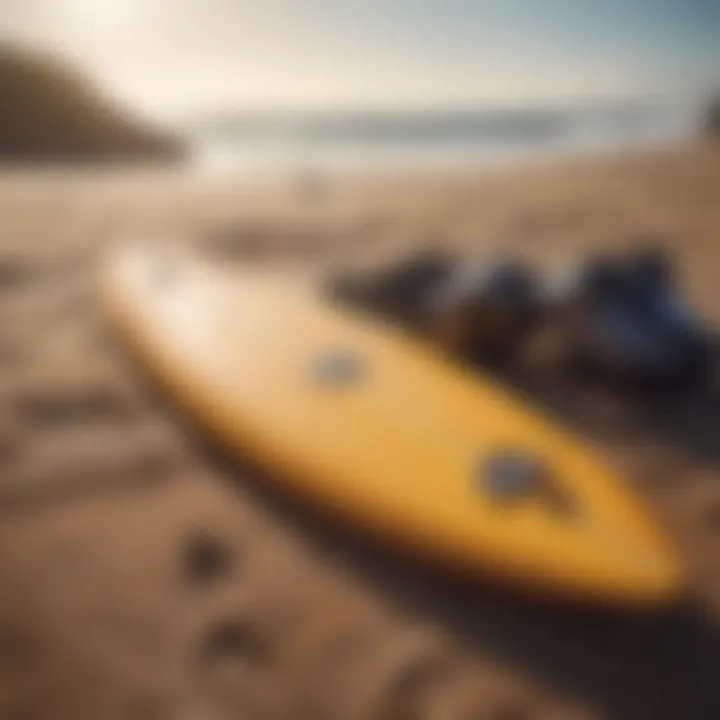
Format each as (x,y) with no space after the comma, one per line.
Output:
(143,576)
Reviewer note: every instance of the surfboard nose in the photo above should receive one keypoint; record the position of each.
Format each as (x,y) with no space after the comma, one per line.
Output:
(573,527)
(619,554)
(581,565)
(648,567)
(634,571)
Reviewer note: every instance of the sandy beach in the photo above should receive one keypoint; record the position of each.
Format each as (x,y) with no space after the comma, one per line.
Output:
(143,577)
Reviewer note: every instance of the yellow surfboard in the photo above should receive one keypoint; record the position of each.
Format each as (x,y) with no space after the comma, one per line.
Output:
(386,433)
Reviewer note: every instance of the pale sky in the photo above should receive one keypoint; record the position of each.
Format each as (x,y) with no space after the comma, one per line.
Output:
(170,57)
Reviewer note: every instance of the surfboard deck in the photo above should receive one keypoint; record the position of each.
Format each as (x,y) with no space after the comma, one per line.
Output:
(385,433)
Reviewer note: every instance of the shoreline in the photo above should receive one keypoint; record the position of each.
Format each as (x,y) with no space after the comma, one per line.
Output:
(467,162)
(469,169)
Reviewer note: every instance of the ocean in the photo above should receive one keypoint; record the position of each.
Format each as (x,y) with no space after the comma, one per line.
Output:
(404,139)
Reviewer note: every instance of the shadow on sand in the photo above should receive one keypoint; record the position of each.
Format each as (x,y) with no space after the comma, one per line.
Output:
(657,666)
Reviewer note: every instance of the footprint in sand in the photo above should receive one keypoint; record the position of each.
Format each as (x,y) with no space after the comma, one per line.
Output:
(234,660)
(76,461)
(233,640)
(15,273)
(57,406)
(404,693)
(236,243)
(425,685)
(243,243)
(206,559)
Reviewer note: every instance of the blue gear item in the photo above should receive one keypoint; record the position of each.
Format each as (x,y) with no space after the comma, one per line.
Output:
(625,318)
